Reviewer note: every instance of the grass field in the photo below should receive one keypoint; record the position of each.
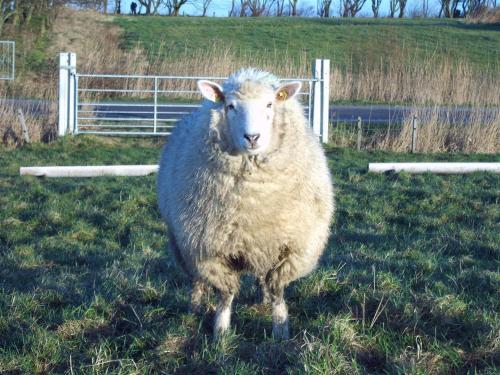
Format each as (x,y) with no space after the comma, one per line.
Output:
(347,42)
(408,283)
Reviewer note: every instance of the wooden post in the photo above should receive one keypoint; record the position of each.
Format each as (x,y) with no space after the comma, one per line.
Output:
(67,70)
(414,134)
(90,171)
(26,135)
(441,167)
(359,133)
(316,102)
(325,99)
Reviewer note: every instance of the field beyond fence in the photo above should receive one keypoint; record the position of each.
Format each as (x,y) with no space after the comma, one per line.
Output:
(398,64)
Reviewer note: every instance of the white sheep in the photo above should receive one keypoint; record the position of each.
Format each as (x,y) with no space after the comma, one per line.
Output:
(244,187)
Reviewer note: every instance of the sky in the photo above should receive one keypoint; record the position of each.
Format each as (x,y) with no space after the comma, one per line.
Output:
(220,8)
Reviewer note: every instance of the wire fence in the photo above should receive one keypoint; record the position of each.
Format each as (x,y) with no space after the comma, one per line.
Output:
(7,60)
(133,105)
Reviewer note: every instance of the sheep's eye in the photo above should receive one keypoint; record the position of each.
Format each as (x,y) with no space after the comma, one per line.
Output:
(231,107)
(269,105)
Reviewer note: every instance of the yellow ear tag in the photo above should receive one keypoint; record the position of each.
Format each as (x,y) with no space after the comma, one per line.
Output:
(282,95)
(217,98)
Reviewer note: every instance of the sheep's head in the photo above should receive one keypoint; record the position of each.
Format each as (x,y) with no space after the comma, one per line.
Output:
(249,103)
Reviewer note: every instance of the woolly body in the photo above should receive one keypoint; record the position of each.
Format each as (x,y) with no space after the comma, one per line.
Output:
(229,212)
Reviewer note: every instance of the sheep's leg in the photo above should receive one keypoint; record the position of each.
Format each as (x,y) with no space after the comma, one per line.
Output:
(217,273)
(266,296)
(223,314)
(199,288)
(277,279)
(280,315)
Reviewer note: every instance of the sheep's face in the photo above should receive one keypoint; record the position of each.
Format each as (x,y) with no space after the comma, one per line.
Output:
(249,112)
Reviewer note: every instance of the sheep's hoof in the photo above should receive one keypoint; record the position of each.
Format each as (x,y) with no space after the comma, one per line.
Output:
(266,299)
(280,331)
(195,308)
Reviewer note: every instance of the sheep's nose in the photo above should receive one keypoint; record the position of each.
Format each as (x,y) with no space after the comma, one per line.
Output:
(252,138)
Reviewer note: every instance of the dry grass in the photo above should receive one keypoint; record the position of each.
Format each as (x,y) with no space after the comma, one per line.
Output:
(438,131)
(400,78)
(40,127)
(486,16)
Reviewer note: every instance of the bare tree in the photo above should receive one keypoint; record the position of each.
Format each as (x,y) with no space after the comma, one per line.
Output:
(232,11)
(445,8)
(425,8)
(324,8)
(243,8)
(472,7)
(118,7)
(7,10)
(351,7)
(204,5)
(152,6)
(174,6)
(376,7)
(279,8)
(21,12)
(393,7)
(258,7)
(402,7)
(292,6)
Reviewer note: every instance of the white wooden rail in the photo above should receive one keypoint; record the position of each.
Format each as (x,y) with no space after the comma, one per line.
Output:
(445,168)
(144,170)
(90,171)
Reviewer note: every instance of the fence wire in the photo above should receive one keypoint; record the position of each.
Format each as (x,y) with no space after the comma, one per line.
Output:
(136,104)
(7,60)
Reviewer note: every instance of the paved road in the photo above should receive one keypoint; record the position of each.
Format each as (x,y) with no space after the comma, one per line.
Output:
(370,114)
(29,106)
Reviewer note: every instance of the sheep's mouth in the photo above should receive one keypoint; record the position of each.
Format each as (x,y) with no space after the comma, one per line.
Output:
(253,149)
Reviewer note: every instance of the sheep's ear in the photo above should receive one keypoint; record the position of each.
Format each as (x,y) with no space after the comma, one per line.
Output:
(288,91)
(211,91)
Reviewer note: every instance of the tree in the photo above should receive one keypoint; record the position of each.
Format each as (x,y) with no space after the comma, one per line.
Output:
(258,7)
(174,6)
(118,7)
(376,7)
(445,8)
(351,7)
(204,4)
(151,6)
(324,8)
(292,6)
(402,6)
(8,10)
(279,7)
(393,7)
(21,12)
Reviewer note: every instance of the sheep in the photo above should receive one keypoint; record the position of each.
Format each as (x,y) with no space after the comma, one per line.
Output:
(244,187)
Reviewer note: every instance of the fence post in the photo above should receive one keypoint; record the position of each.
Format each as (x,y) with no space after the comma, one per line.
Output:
(414,134)
(325,99)
(26,135)
(155,114)
(359,133)
(316,102)
(67,113)
(13,60)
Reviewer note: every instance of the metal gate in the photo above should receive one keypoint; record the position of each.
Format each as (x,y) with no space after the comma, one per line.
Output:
(140,105)
(7,60)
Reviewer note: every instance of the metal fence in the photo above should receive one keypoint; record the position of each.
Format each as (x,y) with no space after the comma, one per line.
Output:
(7,60)
(110,104)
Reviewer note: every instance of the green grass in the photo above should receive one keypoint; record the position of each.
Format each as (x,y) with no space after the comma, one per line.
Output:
(408,283)
(344,41)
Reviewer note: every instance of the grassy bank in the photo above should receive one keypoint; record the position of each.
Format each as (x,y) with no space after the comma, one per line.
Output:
(407,284)
(347,42)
